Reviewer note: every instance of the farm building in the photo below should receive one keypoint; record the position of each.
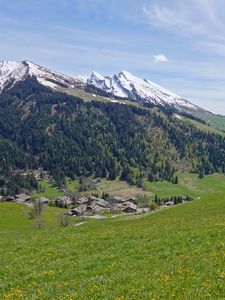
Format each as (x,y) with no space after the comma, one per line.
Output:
(63,201)
(129,207)
(118,199)
(78,211)
(22,198)
(83,200)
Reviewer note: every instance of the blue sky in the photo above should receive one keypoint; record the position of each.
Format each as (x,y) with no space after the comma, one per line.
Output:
(178,44)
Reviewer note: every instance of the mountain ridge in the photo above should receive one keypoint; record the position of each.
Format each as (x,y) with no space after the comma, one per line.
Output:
(131,87)
(14,71)
(123,85)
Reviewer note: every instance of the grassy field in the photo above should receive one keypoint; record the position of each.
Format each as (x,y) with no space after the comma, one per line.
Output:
(114,187)
(121,188)
(216,121)
(189,184)
(178,253)
(48,190)
(72,185)
(16,216)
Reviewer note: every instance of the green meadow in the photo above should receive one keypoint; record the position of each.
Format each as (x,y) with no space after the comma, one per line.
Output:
(50,191)
(217,121)
(176,253)
(188,184)
(207,128)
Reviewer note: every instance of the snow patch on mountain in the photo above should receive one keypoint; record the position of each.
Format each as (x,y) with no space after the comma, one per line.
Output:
(13,71)
(126,85)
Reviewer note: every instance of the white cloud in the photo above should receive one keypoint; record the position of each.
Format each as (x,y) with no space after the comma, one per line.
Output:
(201,21)
(201,18)
(160,58)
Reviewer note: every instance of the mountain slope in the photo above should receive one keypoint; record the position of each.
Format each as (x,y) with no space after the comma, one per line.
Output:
(213,120)
(69,137)
(12,72)
(127,86)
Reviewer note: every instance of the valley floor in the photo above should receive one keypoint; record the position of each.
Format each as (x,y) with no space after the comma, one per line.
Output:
(178,253)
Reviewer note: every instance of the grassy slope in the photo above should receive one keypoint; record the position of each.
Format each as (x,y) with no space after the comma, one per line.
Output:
(48,190)
(174,254)
(72,185)
(201,126)
(15,217)
(51,192)
(214,120)
(189,184)
(206,127)
(121,188)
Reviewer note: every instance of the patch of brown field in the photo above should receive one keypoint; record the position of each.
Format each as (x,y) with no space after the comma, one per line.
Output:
(188,182)
(121,188)
(130,192)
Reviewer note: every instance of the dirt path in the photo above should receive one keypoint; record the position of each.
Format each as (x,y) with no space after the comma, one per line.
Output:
(79,224)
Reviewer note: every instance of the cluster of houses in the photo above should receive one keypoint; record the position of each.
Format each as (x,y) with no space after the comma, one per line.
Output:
(23,198)
(88,205)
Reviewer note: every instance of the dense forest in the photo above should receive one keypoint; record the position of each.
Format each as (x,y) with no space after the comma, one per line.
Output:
(69,137)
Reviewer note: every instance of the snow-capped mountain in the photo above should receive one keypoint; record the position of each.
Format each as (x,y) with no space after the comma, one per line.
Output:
(122,85)
(126,85)
(13,71)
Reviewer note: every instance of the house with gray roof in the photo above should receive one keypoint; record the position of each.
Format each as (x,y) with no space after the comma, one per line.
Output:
(129,207)
(63,201)
(22,198)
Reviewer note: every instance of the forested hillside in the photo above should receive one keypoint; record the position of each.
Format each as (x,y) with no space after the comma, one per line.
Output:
(69,137)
